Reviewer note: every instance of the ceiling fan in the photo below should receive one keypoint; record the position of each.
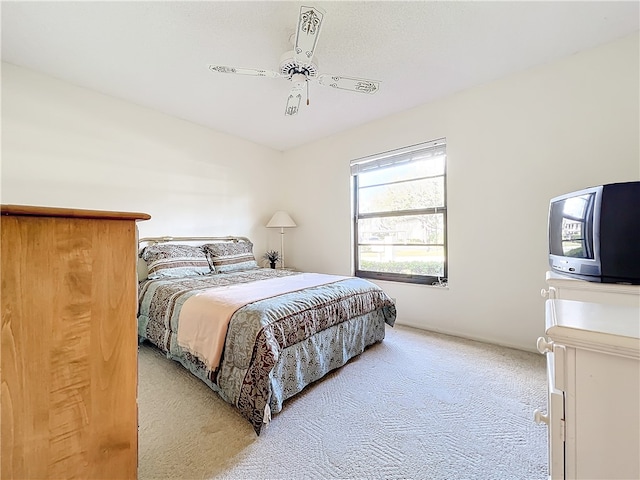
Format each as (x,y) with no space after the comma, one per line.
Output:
(300,66)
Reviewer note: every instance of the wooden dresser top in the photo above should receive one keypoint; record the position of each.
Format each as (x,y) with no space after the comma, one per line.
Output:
(36,211)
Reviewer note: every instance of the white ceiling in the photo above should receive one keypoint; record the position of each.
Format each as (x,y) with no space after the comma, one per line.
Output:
(155,54)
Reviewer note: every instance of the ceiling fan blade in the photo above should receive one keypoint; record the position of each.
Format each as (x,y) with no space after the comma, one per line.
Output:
(244,71)
(360,85)
(307,33)
(293,100)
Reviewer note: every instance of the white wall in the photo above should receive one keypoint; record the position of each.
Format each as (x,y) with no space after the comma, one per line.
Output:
(512,145)
(67,146)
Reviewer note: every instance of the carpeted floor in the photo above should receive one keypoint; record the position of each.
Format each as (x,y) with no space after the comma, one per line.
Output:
(419,405)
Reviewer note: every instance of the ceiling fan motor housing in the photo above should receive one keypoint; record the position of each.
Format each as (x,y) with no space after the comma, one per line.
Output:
(290,67)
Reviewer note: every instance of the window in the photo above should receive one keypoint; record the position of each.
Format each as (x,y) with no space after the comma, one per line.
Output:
(400,214)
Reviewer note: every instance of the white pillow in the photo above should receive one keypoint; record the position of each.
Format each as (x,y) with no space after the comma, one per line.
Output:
(143,270)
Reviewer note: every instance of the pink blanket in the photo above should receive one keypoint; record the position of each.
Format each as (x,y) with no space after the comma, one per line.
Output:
(203,320)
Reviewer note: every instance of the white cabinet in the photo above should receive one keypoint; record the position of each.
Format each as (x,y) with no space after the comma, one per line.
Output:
(593,366)
(568,288)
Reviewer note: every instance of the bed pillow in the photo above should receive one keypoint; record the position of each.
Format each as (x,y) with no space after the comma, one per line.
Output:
(230,256)
(170,261)
(143,271)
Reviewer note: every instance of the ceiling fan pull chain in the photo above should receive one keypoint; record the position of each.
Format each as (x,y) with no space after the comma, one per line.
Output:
(307,92)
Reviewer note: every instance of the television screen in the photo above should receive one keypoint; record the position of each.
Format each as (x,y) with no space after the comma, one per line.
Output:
(571,219)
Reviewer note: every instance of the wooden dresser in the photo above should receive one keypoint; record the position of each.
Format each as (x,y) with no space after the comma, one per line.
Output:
(69,343)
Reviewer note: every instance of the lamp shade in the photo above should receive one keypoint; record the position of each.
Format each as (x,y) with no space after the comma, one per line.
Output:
(281,219)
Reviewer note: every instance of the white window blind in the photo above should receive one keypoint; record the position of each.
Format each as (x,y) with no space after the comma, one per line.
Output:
(421,151)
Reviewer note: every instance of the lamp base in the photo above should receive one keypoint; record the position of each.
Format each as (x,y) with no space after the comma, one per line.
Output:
(281,247)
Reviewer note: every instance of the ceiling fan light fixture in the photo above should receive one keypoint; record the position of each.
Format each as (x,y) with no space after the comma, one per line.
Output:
(299,78)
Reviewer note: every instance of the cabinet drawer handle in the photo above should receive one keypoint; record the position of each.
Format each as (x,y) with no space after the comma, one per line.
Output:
(540,417)
(544,346)
(551,293)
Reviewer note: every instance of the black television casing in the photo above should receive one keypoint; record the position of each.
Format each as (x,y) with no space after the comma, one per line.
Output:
(609,238)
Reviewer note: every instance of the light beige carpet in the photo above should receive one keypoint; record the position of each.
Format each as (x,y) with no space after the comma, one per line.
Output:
(417,406)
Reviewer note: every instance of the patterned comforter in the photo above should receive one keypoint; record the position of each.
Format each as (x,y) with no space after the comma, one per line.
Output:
(258,332)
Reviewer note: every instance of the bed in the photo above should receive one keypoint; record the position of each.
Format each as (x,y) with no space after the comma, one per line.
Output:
(256,336)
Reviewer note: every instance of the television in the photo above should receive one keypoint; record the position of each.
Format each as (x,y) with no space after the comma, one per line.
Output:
(594,233)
